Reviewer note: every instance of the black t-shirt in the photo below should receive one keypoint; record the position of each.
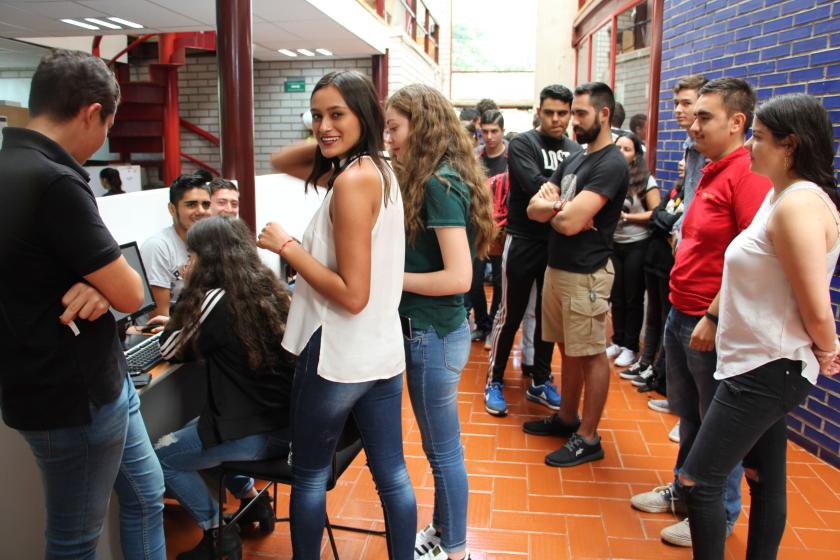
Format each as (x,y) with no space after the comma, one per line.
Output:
(532,158)
(604,172)
(494,165)
(51,236)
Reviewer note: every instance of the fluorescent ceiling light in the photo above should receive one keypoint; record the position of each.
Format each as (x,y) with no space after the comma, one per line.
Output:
(287,52)
(107,24)
(306,52)
(80,24)
(324,52)
(126,22)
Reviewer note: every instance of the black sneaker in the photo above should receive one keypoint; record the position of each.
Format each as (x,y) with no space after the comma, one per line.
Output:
(575,452)
(550,426)
(634,371)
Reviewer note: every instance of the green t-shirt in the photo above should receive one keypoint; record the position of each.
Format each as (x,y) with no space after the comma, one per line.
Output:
(447,204)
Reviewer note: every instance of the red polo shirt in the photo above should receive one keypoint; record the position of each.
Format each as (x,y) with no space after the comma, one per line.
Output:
(727,198)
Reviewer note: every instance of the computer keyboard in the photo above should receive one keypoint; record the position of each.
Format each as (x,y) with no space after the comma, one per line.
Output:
(144,356)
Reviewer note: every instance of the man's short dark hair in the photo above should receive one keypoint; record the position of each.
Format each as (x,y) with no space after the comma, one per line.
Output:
(493,116)
(600,95)
(66,81)
(185,183)
(738,96)
(637,120)
(556,91)
(468,114)
(485,105)
(694,81)
(617,118)
(217,184)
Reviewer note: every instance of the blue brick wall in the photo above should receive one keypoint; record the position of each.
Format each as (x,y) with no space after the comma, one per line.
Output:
(778,46)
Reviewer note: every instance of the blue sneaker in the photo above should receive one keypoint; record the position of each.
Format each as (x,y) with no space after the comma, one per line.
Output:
(494,400)
(545,394)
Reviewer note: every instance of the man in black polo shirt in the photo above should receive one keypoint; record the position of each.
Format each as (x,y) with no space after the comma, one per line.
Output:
(64,384)
(532,158)
(583,203)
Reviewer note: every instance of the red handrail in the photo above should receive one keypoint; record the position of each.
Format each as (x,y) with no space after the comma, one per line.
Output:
(195,129)
(201,164)
(141,39)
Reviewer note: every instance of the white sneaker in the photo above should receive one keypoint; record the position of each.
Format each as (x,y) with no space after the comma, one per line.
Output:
(427,539)
(678,534)
(437,553)
(613,350)
(674,434)
(626,358)
(659,405)
(659,500)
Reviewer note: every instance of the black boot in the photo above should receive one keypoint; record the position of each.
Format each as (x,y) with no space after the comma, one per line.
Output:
(216,545)
(261,511)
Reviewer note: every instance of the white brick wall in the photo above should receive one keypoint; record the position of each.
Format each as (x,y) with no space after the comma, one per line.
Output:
(276,114)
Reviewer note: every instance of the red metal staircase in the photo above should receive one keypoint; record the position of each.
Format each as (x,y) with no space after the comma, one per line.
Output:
(148,119)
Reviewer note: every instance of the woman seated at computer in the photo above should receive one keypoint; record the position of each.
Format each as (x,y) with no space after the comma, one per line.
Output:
(232,313)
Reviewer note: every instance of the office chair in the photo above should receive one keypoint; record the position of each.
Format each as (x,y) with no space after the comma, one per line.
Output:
(278,471)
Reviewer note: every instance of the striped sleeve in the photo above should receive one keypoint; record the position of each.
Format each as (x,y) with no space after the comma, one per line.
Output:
(172,342)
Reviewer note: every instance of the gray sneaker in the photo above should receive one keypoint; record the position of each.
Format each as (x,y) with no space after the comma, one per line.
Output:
(678,534)
(659,500)
(659,405)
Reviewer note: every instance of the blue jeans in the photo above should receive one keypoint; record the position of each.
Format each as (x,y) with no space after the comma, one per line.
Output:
(320,409)
(79,467)
(691,388)
(182,456)
(433,368)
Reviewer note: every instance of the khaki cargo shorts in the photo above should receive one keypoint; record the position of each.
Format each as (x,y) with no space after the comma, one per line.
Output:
(574,309)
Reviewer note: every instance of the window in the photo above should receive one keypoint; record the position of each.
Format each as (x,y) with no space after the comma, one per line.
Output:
(621,58)
(417,22)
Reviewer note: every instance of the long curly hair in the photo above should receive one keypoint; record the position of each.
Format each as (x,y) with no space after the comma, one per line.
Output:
(639,173)
(257,301)
(360,96)
(436,137)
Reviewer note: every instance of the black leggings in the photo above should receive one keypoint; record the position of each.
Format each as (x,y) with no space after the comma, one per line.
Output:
(523,263)
(745,421)
(628,293)
(478,299)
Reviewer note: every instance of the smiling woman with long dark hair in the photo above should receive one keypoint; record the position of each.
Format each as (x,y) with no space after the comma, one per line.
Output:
(343,324)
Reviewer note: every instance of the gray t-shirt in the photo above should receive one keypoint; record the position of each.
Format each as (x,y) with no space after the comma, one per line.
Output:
(163,255)
(628,232)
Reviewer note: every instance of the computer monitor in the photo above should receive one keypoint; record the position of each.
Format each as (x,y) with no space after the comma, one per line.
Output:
(132,254)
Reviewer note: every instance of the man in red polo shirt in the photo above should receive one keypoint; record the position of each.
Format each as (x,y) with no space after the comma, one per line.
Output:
(726,200)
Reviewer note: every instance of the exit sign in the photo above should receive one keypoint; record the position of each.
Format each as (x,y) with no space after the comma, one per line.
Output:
(294,85)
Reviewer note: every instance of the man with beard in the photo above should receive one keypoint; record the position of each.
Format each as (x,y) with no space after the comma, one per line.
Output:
(583,212)
(165,253)
(532,158)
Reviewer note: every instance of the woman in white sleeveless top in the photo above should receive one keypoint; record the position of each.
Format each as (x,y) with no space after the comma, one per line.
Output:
(776,331)
(343,323)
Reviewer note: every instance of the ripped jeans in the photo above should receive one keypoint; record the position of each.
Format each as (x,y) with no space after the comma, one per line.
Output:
(745,421)
(182,456)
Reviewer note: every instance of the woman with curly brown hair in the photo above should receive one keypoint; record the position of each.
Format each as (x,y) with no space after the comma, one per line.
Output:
(232,313)
(448,221)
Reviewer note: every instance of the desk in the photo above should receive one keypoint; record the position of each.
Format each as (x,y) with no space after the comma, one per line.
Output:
(174,396)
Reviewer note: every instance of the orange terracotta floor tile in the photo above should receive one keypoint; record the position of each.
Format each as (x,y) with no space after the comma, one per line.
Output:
(520,509)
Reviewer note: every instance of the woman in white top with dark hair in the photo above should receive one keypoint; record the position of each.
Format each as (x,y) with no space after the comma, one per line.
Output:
(776,331)
(343,322)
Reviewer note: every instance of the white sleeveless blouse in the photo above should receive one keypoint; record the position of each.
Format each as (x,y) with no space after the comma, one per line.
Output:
(354,347)
(759,316)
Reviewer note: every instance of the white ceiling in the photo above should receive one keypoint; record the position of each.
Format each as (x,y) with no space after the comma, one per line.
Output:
(277,24)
